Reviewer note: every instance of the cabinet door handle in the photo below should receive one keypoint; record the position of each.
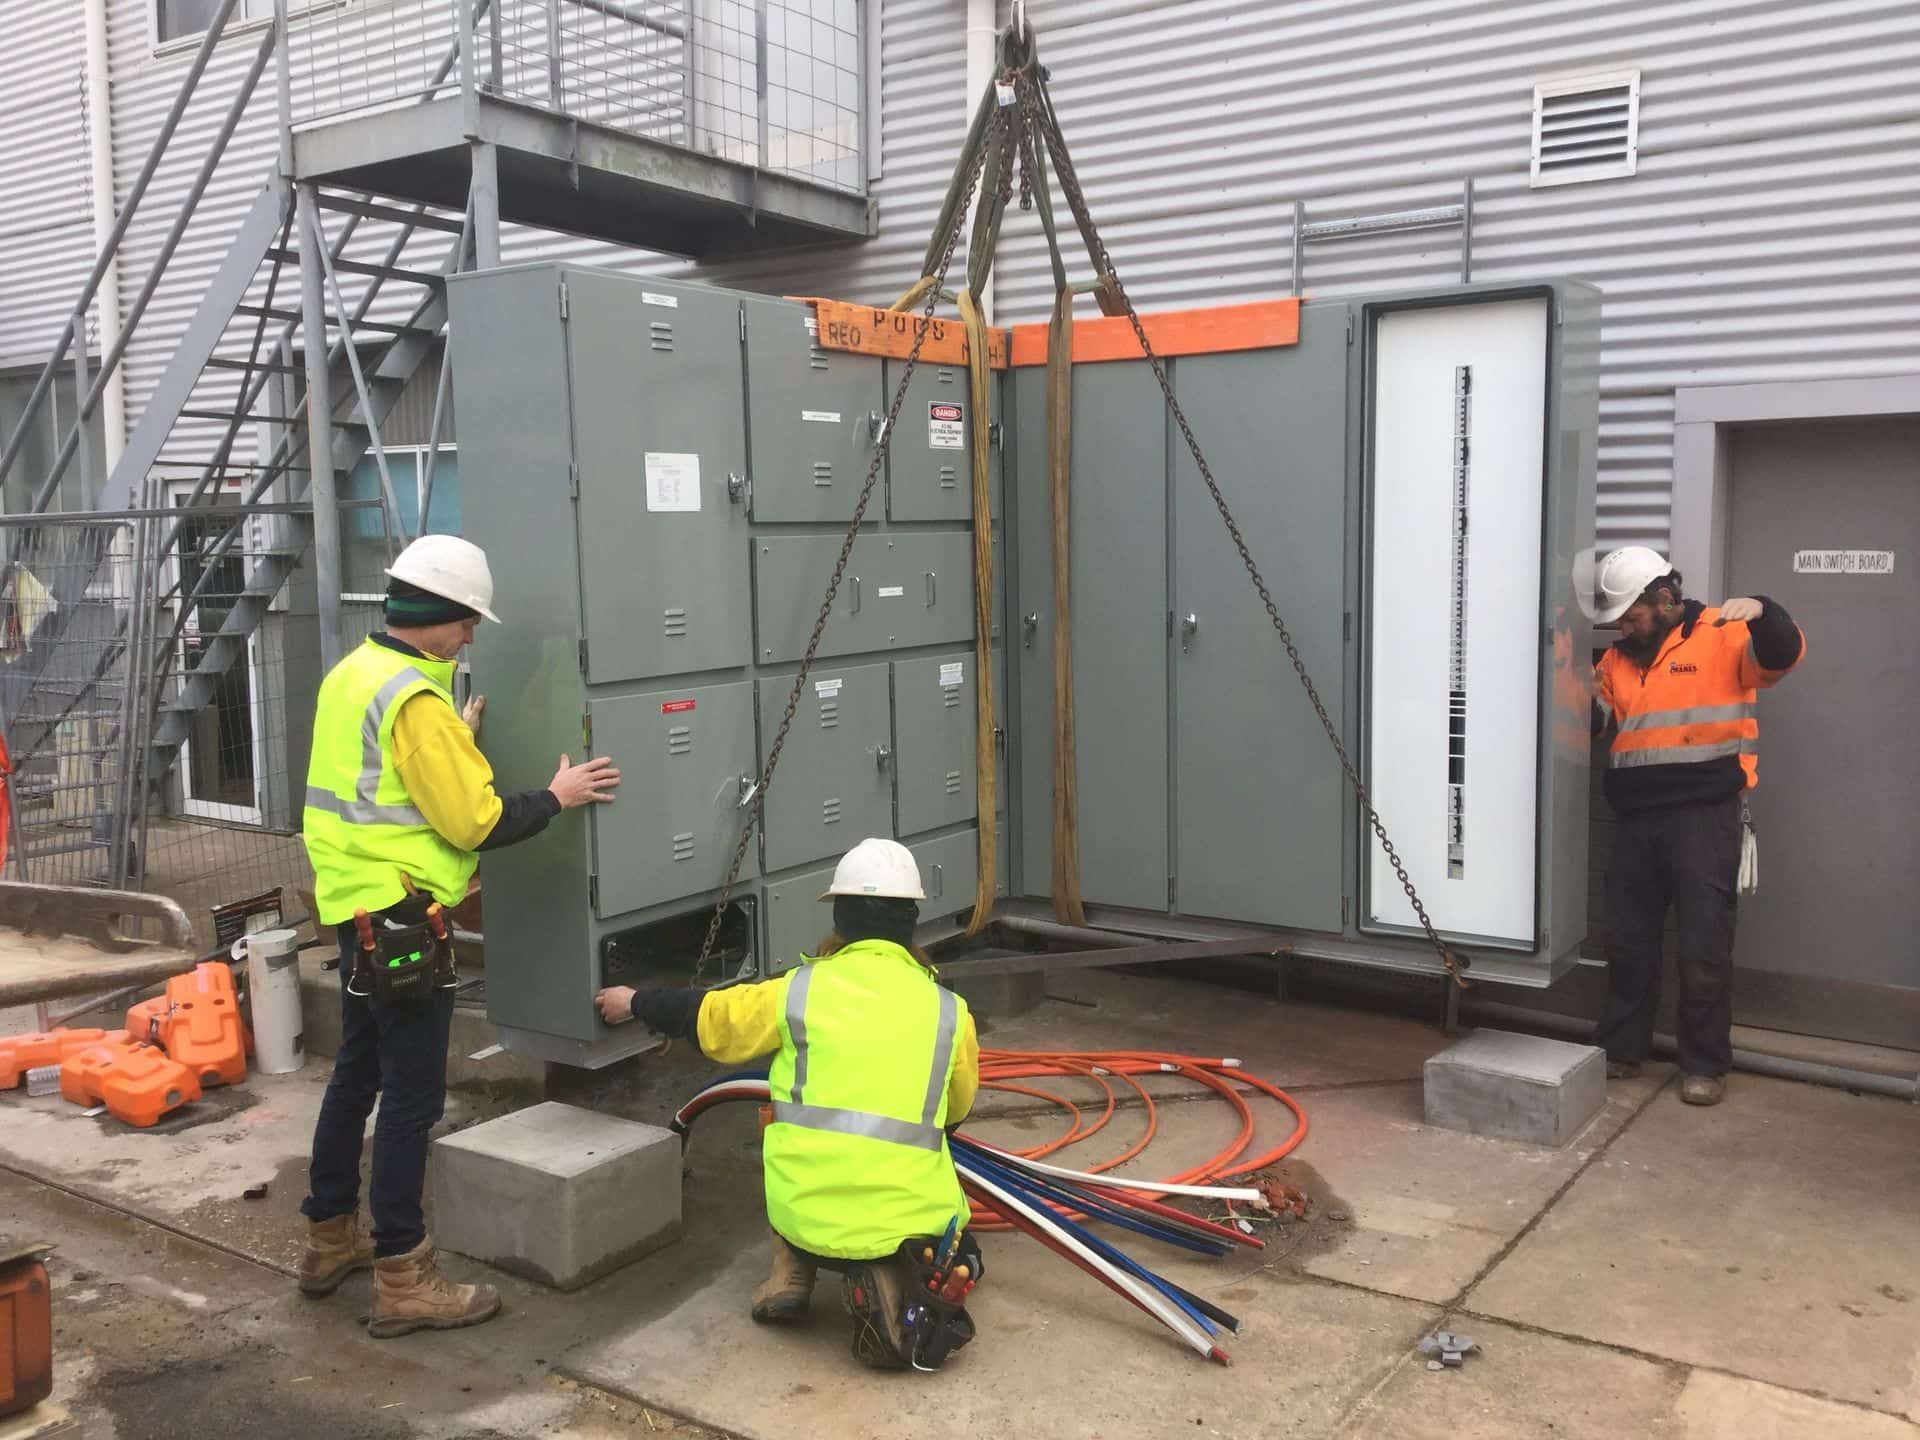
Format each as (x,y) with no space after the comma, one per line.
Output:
(856,595)
(1189,627)
(932,591)
(882,756)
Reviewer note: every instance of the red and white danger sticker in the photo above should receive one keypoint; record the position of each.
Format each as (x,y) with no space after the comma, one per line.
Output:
(677,707)
(946,425)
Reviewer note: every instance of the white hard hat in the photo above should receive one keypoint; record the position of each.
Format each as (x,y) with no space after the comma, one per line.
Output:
(884,869)
(452,568)
(1622,578)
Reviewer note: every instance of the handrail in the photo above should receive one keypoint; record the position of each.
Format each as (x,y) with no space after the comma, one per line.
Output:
(111,246)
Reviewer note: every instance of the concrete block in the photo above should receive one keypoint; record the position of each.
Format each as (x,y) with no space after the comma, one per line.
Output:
(1516,1087)
(556,1193)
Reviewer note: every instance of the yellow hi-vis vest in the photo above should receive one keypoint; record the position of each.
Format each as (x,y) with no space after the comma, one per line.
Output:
(361,828)
(856,1157)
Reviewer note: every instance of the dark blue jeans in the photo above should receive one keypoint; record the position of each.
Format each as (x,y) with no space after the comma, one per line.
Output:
(397,1054)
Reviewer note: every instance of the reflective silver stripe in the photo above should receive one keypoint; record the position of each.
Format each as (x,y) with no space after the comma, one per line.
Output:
(857,1122)
(797,1026)
(942,1055)
(362,812)
(1691,715)
(1681,754)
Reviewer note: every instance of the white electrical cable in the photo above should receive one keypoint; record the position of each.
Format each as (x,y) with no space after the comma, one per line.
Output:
(1155,1303)
(1246,1195)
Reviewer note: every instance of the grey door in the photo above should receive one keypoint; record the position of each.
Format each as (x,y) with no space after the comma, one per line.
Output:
(683,755)
(935,745)
(797,918)
(1827,945)
(1119,573)
(930,461)
(810,412)
(899,589)
(835,782)
(1257,792)
(658,430)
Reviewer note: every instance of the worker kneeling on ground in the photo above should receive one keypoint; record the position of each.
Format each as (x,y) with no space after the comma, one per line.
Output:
(872,1062)
(398,799)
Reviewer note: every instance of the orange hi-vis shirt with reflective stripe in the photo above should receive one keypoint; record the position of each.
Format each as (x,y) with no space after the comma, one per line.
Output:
(1694,704)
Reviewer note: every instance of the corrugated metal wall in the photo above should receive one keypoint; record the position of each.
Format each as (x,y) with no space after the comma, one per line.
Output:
(1773,230)
(46,222)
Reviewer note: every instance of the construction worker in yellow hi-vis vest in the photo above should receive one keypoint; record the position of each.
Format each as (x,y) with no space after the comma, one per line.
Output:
(871,1062)
(399,795)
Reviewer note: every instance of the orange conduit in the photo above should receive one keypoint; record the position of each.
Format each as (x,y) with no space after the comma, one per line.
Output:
(1002,1069)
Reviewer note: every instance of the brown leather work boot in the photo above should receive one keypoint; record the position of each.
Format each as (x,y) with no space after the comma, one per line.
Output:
(876,1296)
(335,1249)
(784,1295)
(410,1293)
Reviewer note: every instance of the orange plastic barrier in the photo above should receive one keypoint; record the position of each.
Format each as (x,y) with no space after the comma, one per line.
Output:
(143,1085)
(21,1053)
(206,1035)
(81,1072)
(26,1334)
(150,1020)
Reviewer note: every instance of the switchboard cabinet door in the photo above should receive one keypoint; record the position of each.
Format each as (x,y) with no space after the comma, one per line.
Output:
(659,428)
(930,459)
(1118,567)
(1258,794)
(683,757)
(933,711)
(812,413)
(1457,432)
(797,918)
(899,589)
(834,786)
(949,869)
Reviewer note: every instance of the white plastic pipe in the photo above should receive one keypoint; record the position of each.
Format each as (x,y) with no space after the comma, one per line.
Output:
(273,992)
(100,155)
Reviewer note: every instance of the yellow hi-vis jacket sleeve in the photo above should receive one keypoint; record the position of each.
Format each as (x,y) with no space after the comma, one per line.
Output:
(447,778)
(742,1023)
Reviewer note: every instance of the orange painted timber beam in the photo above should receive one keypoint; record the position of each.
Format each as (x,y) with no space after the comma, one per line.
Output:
(868,330)
(1262,325)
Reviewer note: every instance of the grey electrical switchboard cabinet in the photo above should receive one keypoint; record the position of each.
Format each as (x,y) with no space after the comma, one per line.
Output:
(1355,461)
(660,473)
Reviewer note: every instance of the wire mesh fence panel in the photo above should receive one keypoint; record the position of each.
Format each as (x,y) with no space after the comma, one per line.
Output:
(157,744)
(776,84)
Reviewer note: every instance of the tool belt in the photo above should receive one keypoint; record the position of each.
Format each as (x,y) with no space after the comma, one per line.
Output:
(936,1323)
(409,958)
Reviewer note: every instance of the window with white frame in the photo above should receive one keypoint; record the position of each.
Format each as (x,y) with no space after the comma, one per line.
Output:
(1586,127)
(184,19)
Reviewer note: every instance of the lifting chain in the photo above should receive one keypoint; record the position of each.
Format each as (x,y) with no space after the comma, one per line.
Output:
(756,800)
(1039,109)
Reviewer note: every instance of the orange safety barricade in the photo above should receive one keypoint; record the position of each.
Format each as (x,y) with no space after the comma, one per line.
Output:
(26,1329)
(80,1072)
(205,1034)
(143,1085)
(150,1020)
(21,1053)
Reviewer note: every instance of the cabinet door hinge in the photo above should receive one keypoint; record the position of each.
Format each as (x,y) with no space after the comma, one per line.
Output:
(743,324)
(586,731)
(1343,912)
(1170,892)
(573,479)
(1346,625)
(563,300)
(1349,327)
(593,892)
(583,655)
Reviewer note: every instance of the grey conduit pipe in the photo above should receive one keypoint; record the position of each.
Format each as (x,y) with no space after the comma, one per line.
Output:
(1899,1087)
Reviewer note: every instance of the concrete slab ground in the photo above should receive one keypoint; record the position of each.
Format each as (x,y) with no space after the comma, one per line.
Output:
(173,1292)
(1773,1237)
